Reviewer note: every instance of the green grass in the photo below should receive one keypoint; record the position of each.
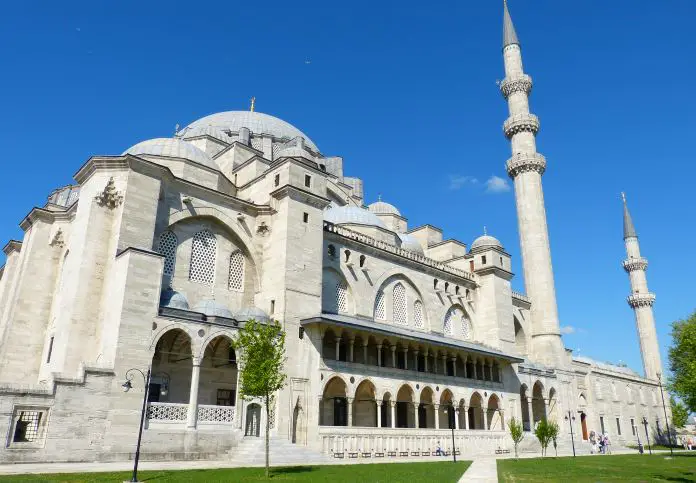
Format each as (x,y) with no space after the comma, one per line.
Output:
(443,471)
(657,446)
(591,469)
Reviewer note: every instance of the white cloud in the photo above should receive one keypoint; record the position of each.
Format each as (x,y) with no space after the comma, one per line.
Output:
(496,184)
(458,182)
(567,329)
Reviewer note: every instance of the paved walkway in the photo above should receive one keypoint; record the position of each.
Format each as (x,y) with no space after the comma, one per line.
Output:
(481,470)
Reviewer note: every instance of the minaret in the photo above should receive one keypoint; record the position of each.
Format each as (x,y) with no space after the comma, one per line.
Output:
(525,167)
(641,300)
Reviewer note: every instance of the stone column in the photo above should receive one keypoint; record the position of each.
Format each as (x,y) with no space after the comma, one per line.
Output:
(406,358)
(193,394)
(338,348)
(425,358)
(350,411)
(415,415)
(466,418)
(393,351)
(415,360)
(379,413)
(321,410)
(444,364)
(437,415)
(365,352)
(456,417)
(485,418)
(531,414)
(393,413)
(454,366)
(466,373)
(434,362)
(351,343)
(379,355)
(490,370)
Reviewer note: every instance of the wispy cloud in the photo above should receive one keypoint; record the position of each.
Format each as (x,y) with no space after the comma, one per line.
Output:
(496,184)
(567,329)
(458,182)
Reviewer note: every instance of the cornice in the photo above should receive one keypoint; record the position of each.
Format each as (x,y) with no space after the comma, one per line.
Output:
(303,196)
(492,269)
(12,246)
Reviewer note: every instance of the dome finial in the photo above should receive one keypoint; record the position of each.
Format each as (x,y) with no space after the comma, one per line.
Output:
(379,197)
(485,232)
(253,103)
(176,129)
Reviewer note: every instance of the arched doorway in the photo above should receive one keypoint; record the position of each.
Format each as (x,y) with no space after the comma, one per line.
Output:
(447,412)
(426,409)
(334,403)
(365,405)
(476,411)
(218,377)
(538,403)
(171,372)
(385,410)
(253,420)
(582,405)
(494,415)
(405,416)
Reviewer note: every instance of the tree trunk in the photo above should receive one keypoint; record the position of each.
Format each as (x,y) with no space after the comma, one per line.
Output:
(268,423)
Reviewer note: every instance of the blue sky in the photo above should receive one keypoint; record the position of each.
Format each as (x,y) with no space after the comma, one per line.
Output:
(406,92)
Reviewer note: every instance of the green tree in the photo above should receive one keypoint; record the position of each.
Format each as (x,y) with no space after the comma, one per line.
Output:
(262,358)
(516,432)
(680,414)
(545,432)
(553,433)
(682,362)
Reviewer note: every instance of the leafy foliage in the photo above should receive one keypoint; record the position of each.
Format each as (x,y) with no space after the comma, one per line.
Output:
(682,362)
(516,432)
(262,359)
(680,414)
(545,433)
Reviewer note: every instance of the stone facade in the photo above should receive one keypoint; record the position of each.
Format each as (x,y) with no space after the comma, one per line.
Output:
(157,257)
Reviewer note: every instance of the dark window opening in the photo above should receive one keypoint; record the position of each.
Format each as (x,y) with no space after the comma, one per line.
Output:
(272,307)
(340,412)
(27,427)
(362,261)
(421,363)
(401,360)
(231,356)
(226,397)
(50,350)
(618,426)
(450,368)
(307,180)
(277,179)
(483,260)
(305,217)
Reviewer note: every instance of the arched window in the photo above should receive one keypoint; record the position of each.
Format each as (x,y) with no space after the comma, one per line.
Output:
(418,314)
(399,305)
(167,247)
(342,296)
(236,281)
(448,328)
(203,252)
(466,327)
(380,312)
(455,318)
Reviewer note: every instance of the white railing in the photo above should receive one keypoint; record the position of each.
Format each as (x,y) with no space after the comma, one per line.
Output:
(216,414)
(160,411)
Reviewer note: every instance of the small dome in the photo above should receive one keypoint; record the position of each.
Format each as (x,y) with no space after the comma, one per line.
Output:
(212,131)
(172,148)
(173,299)
(352,214)
(409,242)
(382,208)
(213,309)
(252,313)
(486,241)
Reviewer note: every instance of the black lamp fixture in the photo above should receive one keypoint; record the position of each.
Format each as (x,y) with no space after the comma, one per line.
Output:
(570,418)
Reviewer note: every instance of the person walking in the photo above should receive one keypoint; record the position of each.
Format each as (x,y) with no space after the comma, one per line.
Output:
(593,442)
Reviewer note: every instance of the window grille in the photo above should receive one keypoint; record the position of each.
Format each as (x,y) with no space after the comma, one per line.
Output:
(454,318)
(257,143)
(203,251)
(448,327)
(418,314)
(380,310)
(167,247)
(236,281)
(466,326)
(399,305)
(275,148)
(27,427)
(342,296)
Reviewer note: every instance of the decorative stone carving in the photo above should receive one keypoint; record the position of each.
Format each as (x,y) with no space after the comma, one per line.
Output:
(524,162)
(641,300)
(109,197)
(521,83)
(58,240)
(633,264)
(521,123)
(263,229)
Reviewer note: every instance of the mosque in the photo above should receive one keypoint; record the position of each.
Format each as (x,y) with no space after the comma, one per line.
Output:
(396,335)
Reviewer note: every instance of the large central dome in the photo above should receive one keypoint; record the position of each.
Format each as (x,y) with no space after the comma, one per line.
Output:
(257,122)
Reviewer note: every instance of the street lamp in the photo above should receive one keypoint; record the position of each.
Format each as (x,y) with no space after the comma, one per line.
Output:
(127,386)
(669,433)
(570,418)
(451,417)
(647,438)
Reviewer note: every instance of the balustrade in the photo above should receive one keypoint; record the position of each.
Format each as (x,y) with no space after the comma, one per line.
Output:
(167,412)
(218,414)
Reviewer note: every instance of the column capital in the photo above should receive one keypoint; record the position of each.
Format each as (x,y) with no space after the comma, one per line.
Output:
(196,361)
(379,403)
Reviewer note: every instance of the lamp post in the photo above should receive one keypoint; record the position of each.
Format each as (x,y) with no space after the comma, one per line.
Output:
(451,424)
(647,438)
(664,408)
(127,386)
(570,418)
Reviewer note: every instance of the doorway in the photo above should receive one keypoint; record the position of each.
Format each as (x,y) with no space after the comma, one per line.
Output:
(253,418)
(583,422)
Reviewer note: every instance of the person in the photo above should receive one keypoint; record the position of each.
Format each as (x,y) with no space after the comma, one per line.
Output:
(439,451)
(601,443)
(607,444)
(690,443)
(593,442)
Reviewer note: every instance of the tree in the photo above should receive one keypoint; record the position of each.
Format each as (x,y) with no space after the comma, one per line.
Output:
(262,358)
(553,433)
(680,414)
(516,432)
(545,432)
(682,363)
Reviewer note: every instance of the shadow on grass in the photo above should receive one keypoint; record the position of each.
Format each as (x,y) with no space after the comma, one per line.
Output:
(287,470)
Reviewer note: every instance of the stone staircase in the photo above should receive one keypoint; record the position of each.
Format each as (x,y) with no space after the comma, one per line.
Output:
(251,452)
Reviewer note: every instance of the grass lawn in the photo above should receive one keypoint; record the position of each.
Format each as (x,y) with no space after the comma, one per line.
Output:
(682,467)
(443,471)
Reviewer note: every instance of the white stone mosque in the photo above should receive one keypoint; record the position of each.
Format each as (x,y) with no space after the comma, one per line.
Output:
(395,335)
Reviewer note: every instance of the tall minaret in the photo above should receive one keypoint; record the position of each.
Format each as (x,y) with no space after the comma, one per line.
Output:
(525,167)
(641,300)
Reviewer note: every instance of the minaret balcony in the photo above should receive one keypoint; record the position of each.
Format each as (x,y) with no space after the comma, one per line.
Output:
(641,300)
(518,83)
(633,264)
(521,123)
(524,162)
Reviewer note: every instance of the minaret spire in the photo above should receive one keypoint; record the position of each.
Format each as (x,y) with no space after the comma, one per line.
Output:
(641,299)
(509,34)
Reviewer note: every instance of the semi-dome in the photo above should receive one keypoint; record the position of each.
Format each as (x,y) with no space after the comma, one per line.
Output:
(486,241)
(213,309)
(173,299)
(172,148)
(257,122)
(352,214)
(383,208)
(252,313)
(409,242)
(212,131)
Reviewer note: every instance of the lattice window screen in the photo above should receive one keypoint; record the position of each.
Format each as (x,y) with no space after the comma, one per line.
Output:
(236,281)
(167,247)
(418,314)
(466,327)
(399,305)
(451,320)
(380,309)
(203,251)
(342,296)
(27,426)
(275,148)
(257,143)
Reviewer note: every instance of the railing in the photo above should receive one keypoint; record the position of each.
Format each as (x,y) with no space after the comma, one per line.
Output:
(522,297)
(217,414)
(167,412)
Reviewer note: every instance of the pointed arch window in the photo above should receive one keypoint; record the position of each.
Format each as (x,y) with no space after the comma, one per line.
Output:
(399,305)
(418,314)
(203,253)
(167,247)
(380,309)
(466,326)
(448,326)
(342,296)
(236,275)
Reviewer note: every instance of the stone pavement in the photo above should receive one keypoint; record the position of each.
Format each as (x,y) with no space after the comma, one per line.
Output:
(481,470)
